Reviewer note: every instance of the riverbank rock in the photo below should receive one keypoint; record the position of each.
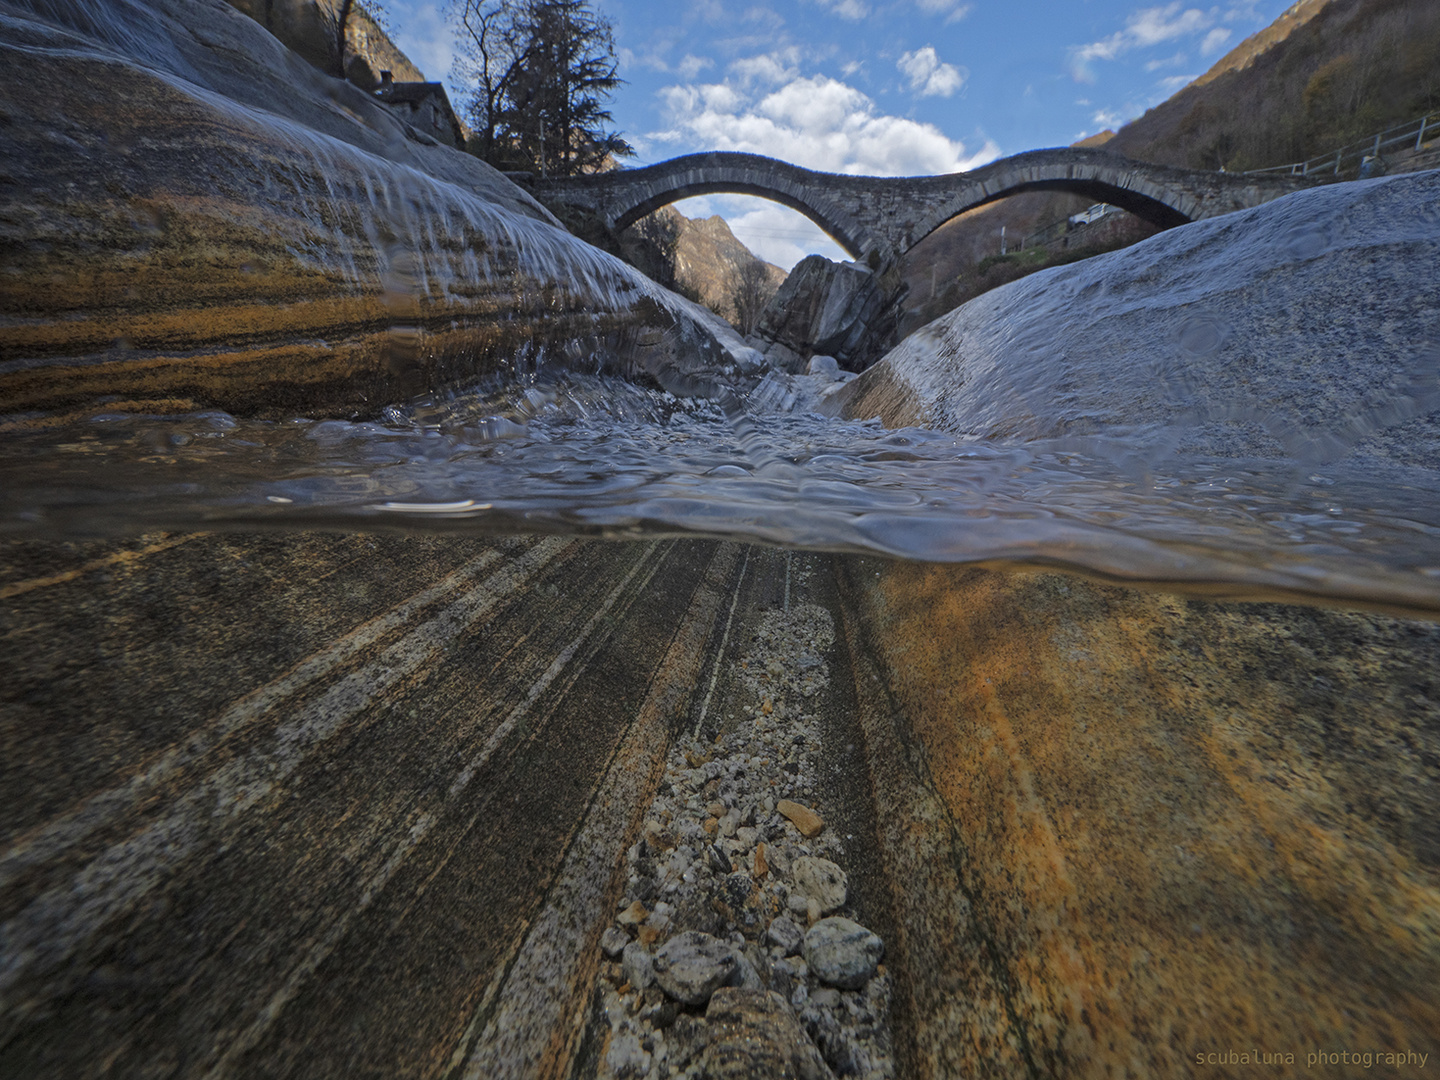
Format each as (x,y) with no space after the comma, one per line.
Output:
(223,225)
(1304,329)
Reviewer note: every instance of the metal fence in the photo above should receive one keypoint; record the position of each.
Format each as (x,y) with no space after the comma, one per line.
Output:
(1341,162)
(1051,233)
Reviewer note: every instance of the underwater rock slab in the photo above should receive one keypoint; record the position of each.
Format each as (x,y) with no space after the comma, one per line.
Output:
(1123,829)
(380,822)
(195,217)
(1306,329)
(373,826)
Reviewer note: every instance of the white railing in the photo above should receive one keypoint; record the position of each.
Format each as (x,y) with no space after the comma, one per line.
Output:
(1338,162)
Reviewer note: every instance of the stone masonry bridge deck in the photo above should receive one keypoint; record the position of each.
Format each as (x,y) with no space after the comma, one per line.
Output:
(878,218)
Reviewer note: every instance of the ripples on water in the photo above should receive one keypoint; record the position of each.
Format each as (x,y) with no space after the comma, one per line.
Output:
(602,456)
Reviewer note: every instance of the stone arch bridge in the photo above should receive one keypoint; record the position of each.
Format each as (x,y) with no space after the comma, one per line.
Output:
(877,219)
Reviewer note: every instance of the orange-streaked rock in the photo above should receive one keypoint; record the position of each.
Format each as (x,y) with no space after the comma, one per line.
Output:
(1139,827)
(802,817)
(179,245)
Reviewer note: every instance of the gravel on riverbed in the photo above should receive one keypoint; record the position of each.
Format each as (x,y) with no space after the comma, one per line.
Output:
(731,954)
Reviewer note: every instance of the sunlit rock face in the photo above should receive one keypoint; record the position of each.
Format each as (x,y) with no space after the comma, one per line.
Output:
(1304,330)
(302,25)
(196,217)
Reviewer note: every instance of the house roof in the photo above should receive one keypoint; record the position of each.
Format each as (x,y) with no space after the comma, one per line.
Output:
(415,94)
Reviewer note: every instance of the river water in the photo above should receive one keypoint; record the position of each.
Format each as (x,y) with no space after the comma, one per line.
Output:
(602,456)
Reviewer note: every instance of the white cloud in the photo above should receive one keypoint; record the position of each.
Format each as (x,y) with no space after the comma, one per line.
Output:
(1143,29)
(1151,26)
(953,10)
(928,76)
(816,121)
(1245,10)
(853,10)
(771,68)
(710,11)
(764,16)
(1171,85)
(1169,61)
(1108,118)
(691,65)
(687,68)
(1214,41)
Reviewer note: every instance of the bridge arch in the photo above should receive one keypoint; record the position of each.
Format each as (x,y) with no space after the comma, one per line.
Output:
(1164,205)
(625,196)
(855,241)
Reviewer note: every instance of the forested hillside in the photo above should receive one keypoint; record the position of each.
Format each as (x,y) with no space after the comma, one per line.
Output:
(1350,69)
(1326,73)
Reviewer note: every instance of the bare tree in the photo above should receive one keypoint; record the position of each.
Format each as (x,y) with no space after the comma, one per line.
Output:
(493,49)
(752,293)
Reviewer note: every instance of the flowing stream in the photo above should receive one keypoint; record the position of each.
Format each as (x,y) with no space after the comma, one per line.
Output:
(601,455)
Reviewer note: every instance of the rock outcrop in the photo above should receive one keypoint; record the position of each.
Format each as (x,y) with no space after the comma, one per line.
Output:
(307,27)
(834,309)
(196,217)
(701,255)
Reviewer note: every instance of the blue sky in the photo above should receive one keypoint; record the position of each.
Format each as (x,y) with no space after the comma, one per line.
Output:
(903,87)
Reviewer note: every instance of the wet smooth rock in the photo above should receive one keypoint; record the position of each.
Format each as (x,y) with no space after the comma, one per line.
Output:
(821,881)
(693,966)
(1124,778)
(208,234)
(754,1034)
(842,953)
(1302,329)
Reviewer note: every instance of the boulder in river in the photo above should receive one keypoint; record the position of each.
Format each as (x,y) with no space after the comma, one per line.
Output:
(842,310)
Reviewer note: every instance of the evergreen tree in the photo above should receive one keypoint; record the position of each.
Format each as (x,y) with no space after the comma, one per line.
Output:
(541,71)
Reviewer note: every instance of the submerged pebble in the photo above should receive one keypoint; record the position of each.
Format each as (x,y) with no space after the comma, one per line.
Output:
(734,863)
(842,953)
